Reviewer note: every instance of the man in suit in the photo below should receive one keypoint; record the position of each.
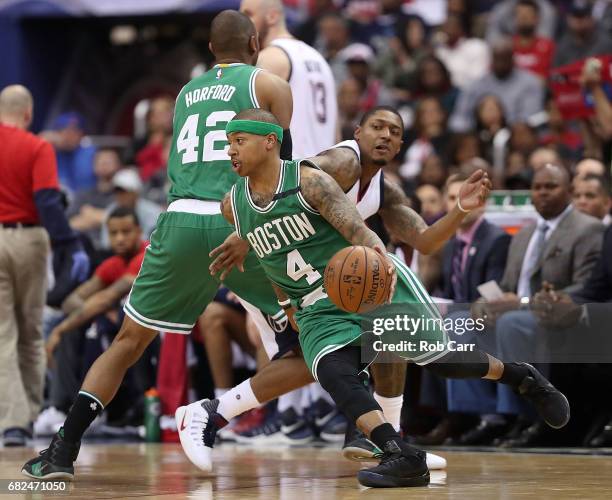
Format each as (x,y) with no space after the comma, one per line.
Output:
(579,325)
(563,254)
(561,248)
(475,255)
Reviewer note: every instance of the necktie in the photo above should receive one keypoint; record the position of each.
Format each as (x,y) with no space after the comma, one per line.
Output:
(536,252)
(457,272)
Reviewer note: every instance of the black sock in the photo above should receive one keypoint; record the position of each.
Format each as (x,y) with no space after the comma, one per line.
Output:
(514,374)
(84,410)
(384,433)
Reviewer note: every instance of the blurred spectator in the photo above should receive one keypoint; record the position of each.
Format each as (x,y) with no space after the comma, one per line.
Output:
(502,20)
(590,166)
(559,133)
(74,155)
(96,297)
(434,80)
(531,52)
(127,193)
(433,172)
(597,130)
(542,157)
(561,248)
(88,208)
(432,203)
(151,151)
(523,138)
(521,93)
(491,125)
(398,60)
(583,38)
(359,58)
(467,59)
(429,136)
(464,147)
(591,195)
(307,31)
(349,110)
(334,35)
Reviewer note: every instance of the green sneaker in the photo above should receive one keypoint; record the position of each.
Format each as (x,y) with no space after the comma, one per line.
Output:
(361,450)
(54,463)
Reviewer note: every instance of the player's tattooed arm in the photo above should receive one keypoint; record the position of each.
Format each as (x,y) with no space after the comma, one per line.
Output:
(324,194)
(406,226)
(232,252)
(342,164)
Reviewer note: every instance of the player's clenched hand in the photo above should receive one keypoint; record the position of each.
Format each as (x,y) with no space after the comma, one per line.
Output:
(231,253)
(390,271)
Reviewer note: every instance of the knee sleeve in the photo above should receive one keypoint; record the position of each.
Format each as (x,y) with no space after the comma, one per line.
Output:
(338,374)
(456,364)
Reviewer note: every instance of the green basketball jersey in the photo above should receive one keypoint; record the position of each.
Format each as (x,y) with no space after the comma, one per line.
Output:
(199,166)
(291,239)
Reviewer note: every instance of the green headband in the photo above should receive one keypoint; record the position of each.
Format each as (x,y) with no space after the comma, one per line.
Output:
(254,127)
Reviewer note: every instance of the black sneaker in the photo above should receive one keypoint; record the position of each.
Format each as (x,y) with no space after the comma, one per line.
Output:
(399,467)
(56,462)
(16,436)
(551,404)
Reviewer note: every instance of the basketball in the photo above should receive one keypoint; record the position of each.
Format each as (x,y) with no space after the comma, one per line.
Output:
(356,279)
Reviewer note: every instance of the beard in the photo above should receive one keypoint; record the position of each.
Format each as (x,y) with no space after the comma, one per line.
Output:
(262,34)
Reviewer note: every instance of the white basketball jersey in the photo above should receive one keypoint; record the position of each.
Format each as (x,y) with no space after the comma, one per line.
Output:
(369,201)
(315,110)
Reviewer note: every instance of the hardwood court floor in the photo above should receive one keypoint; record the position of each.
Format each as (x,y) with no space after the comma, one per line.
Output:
(161,471)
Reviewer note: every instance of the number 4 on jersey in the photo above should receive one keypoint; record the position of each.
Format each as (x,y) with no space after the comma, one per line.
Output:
(188,141)
(297,268)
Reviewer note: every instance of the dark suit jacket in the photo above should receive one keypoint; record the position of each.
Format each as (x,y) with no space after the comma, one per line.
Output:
(569,255)
(598,288)
(486,260)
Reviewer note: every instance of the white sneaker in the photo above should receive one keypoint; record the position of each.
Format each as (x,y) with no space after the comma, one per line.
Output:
(435,462)
(48,420)
(197,430)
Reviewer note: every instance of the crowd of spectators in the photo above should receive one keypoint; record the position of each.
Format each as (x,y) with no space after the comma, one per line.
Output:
(474,81)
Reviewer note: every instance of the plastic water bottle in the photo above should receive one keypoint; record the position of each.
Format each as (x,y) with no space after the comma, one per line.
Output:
(152,411)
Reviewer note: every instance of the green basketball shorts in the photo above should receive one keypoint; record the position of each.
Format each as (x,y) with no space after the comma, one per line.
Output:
(324,328)
(174,285)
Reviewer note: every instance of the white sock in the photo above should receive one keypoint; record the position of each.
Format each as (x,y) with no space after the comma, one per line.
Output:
(292,399)
(392,409)
(237,400)
(220,392)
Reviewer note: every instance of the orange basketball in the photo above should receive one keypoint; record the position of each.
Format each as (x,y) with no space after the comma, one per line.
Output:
(356,279)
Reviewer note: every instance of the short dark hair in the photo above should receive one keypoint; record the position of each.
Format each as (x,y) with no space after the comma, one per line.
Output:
(603,183)
(375,109)
(120,212)
(230,33)
(257,115)
(529,3)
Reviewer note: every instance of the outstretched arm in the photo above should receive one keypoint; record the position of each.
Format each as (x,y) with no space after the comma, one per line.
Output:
(324,194)
(406,226)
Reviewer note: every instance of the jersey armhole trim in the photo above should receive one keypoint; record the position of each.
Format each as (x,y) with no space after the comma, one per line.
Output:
(234,213)
(252,89)
(299,195)
(288,59)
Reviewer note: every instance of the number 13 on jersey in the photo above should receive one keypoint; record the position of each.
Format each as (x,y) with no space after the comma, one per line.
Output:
(188,141)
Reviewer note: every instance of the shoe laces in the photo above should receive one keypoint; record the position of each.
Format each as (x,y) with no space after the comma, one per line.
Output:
(60,451)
